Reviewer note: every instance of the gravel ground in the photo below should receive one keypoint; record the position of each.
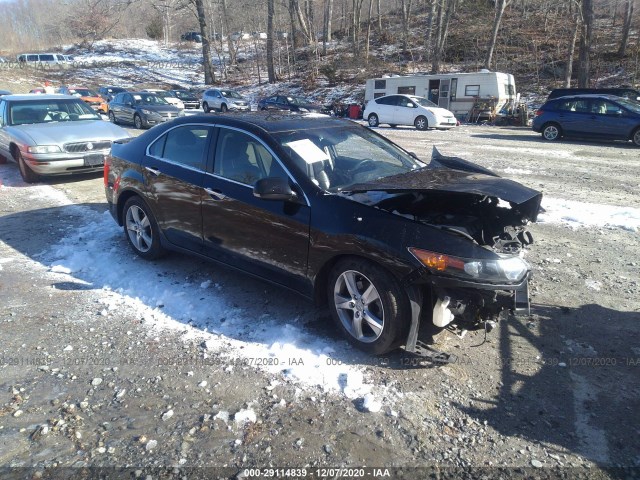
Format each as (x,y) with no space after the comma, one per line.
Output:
(553,394)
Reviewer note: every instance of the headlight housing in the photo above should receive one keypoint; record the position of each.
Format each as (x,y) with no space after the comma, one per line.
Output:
(44,149)
(146,112)
(504,269)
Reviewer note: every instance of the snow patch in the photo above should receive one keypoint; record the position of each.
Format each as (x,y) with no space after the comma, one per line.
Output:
(583,214)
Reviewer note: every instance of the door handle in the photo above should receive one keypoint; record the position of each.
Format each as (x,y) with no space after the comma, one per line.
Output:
(216,194)
(154,171)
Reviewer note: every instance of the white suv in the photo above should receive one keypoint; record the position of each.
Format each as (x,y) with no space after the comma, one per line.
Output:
(223,99)
(408,110)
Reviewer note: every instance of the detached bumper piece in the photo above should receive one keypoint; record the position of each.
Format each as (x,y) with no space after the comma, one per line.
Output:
(417,347)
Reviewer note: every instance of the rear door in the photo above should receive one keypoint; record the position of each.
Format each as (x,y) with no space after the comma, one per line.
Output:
(174,172)
(268,238)
(385,109)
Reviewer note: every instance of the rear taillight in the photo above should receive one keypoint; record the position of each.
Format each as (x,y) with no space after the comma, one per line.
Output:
(107,167)
(539,112)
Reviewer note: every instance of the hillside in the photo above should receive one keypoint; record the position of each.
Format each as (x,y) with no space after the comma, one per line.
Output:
(531,45)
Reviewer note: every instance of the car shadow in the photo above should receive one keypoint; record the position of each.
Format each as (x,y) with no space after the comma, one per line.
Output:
(569,378)
(537,138)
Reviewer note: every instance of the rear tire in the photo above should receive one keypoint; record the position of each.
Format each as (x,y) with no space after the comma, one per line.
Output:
(223,108)
(635,137)
(373,120)
(421,123)
(551,132)
(27,174)
(368,305)
(141,229)
(393,125)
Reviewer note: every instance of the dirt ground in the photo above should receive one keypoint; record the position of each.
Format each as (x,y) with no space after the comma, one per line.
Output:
(554,394)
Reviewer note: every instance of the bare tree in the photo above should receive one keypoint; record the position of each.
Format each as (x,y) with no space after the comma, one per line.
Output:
(626,27)
(586,40)
(271,10)
(577,21)
(405,10)
(92,20)
(500,6)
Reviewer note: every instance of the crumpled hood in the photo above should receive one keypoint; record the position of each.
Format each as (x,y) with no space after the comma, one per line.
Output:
(57,133)
(450,174)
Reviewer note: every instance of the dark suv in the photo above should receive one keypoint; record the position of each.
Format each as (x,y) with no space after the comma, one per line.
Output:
(590,116)
(628,93)
(191,37)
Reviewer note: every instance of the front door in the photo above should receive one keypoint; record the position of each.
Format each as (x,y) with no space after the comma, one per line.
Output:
(443,98)
(269,238)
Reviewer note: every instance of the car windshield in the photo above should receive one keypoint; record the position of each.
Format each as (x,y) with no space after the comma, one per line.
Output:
(182,94)
(424,102)
(82,92)
(629,104)
(297,100)
(335,158)
(230,94)
(149,99)
(47,111)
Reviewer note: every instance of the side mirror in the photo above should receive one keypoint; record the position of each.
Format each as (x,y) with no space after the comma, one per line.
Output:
(274,188)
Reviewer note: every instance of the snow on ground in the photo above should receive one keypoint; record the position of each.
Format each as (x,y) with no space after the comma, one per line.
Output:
(581,214)
(199,310)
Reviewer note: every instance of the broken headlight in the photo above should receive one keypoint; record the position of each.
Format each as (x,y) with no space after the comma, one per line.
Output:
(504,269)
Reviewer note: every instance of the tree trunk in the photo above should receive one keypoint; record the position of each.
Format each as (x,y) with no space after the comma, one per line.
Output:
(271,72)
(586,39)
(209,73)
(501,5)
(626,27)
(428,45)
(225,20)
(369,30)
(405,7)
(572,49)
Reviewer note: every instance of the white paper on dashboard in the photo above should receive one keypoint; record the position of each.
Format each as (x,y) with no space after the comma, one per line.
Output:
(308,151)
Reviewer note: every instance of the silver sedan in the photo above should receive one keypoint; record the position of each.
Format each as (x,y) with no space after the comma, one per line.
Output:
(54,134)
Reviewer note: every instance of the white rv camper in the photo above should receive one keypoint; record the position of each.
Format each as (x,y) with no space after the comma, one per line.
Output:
(459,93)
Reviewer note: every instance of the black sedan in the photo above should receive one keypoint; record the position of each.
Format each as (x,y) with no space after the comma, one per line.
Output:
(290,103)
(333,211)
(189,99)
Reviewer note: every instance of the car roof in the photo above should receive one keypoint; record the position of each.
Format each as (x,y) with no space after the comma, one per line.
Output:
(269,121)
(606,96)
(25,97)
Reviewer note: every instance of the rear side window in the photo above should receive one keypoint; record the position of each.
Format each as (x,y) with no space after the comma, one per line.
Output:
(392,100)
(46,58)
(573,105)
(183,145)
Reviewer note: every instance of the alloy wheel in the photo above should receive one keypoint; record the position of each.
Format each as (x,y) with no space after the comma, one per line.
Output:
(139,229)
(359,306)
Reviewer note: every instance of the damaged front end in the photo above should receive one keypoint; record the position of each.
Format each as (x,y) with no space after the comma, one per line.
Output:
(479,271)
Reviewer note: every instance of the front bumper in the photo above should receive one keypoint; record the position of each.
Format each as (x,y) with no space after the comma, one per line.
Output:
(446,122)
(65,163)
(240,108)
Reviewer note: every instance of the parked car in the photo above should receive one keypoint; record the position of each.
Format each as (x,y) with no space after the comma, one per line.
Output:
(189,99)
(169,97)
(290,103)
(333,211)
(4,92)
(408,110)
(108,92)
(589,116)
(142,109)
(191,37)
(628,93)
(223,100)
(54,134)
(88,96)
(37,90)
(37,59)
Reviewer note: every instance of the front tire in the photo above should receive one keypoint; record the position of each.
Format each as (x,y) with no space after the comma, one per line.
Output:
(205,107)
(27,174)
(551,132)
(141,229)
(368,305)
(137,121)
(223,108)
(112,118)
(421,123)
(635,137)
(373,120)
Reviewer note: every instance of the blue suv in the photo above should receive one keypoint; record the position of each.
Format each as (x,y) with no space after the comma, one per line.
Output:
(590,116)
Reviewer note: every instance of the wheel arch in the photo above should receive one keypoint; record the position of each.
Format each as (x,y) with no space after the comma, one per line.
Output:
(322,276)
